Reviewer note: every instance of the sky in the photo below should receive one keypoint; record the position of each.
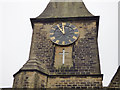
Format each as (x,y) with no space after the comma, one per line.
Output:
(16,33)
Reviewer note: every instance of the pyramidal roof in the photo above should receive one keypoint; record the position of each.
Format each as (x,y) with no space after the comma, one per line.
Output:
(65,8)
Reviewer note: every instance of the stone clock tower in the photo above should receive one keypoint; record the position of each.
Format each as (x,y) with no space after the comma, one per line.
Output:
(64,49)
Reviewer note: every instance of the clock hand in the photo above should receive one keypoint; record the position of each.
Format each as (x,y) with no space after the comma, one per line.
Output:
(63,26)
(60,29)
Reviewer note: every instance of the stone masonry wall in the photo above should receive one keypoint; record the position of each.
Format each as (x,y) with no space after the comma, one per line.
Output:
(42,48)
(38,80)
(85,56)
(115,82)
(29,80)
(83,70)
(74,82)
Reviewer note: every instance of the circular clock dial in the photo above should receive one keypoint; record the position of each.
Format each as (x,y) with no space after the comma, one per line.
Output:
(64,34)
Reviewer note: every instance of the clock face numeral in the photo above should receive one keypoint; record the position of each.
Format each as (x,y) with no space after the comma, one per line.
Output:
(64,34)
(70,41)
(63,43)
(76,32)
(53,28)
(51,33)
(63,24)
(57,41)
(74,28)
(52,38)
(74,37)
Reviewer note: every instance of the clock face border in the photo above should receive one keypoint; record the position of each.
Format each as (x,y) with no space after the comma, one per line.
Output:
(66,37)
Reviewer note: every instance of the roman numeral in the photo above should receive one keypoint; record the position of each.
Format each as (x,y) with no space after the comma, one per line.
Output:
(74,37)
(63,43)
(74,28)
(57,41)
(53,29)
(52,38)
(76,32)
(70,41)
(51,33)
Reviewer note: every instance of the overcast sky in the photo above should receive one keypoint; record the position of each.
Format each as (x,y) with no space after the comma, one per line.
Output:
(16,33)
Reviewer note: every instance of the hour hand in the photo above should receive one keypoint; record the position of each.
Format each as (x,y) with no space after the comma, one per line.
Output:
(60,29)
(63,26)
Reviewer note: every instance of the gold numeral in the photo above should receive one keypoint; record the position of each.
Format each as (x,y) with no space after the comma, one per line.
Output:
(74,37)
(70,41)
(52,38)
(57,41)
(76,32)
(53,28)
(74,28)
(63,24)
(63,43)
(51,33)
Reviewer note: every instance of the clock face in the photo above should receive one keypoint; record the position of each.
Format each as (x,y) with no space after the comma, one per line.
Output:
(64,34)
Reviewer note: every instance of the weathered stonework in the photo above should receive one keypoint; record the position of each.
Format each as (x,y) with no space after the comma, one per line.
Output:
(84,58)
(45,69)
(115,82)
(74,82)
(30,80)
